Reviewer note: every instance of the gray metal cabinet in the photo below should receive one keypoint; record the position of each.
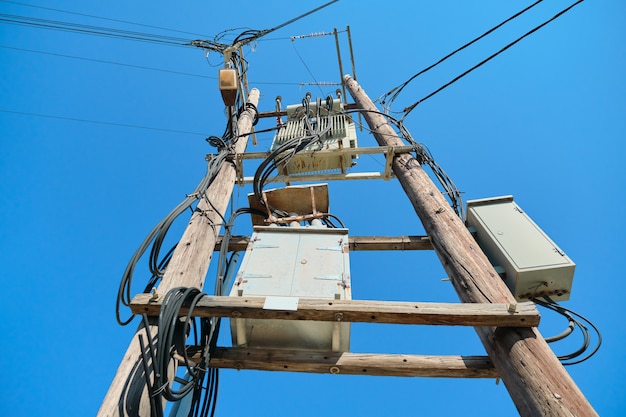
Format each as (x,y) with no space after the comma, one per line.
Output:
(533,265)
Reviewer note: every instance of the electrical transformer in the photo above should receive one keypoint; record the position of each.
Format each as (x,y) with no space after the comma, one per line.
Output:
(283,265)
(532,264)
(337,132)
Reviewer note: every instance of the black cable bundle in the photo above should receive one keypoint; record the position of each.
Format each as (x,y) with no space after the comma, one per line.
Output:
(170,345)
(575,320)
(280,156)
(157,236)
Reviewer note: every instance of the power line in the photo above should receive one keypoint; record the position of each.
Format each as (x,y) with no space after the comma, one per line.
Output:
(396,90)
(252,35)
(143,67)
(307,67)
(92,30)
(410,108)
(74,119)
(106,62)
(100,17)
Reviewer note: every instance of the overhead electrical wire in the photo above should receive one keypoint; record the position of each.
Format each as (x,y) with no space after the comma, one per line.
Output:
(143,67)
(252,35)
(410,108)
(92,30)
(102,61)
(394,92)
(100,122)
(98,17)
(306,66)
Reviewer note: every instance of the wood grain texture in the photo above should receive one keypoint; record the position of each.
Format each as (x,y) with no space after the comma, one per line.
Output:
(127,395)
(364,311)
(536,380)
(354,363)
(356,243)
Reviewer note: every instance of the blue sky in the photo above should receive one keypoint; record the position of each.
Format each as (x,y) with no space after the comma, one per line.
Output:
(544,122)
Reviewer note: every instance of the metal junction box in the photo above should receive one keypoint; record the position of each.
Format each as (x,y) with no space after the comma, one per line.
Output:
(533,265)
(284,264)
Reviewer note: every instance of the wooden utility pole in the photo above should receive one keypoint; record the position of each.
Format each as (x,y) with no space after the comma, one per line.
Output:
(537,382)
(127,395)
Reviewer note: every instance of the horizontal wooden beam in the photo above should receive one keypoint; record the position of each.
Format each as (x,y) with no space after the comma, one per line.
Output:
(324,176)
(354,363)
(239,243)
(391,312)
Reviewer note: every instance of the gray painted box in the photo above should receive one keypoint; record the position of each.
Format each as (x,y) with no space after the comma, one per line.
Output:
(289,263)
(533,264)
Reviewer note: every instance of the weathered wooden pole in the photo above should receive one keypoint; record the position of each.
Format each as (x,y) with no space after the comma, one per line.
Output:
(127,395)
(537,382)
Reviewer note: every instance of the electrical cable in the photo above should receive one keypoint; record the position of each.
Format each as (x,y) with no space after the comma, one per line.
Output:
(424,156)
(223,264)
(92,30)
(98,17)
(250,35)
(575,320)
(394,92)
(282,154)
(156,236)
(101,61)
(170,344)
(306,66)
(410,108)
(99,122)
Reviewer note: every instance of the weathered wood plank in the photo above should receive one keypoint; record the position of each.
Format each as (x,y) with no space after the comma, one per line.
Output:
(364,311)
(127,394)
(536,380)
(357,243)
(354,363)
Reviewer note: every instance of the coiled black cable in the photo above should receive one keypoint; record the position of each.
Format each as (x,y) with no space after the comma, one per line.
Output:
(156,237)
(580,322)
(170,345)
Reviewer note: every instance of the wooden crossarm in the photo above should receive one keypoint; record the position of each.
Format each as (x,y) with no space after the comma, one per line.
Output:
(391,312)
